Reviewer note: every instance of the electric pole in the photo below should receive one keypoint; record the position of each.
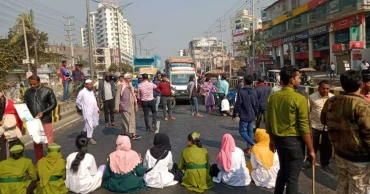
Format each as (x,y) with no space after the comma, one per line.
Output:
(253,38)
(25,44)
(91,61)
(222,45)
(70,39)
(209,51)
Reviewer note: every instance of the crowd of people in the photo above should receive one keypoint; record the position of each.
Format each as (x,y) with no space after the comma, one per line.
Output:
(296,128)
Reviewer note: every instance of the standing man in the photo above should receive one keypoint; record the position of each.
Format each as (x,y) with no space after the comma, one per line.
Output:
(263,93)
(157,95)
(332,70)
(223,90)
(64,74)
(317,101)
(288,127)
(78,78)
(126,104)
(86,102)
(107,92)
(277,86)
(41,102)
(364,65)
(348,122)
(192,90)
(145,95)
(247,109)
(164,87)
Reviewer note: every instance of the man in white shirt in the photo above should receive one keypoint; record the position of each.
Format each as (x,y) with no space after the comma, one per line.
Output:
(277,86)
(364,65)
(317,101)
(332,70)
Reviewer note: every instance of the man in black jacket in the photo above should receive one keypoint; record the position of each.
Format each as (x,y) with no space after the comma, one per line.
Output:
(263,93)
(247,109)
(107,93)
(41,102)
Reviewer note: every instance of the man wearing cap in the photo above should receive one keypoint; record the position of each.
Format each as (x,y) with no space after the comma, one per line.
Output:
(126,104)
(52,172)
(365,90)
(86,102)
(41,101)
(145,95)
(17,173)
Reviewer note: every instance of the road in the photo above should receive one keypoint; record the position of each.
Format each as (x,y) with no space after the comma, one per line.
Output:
(211,128)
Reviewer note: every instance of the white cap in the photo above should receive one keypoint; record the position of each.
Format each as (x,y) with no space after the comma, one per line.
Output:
(127,75)
(88,81)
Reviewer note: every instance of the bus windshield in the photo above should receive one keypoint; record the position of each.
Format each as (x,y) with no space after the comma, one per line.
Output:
(180,79)
(182,65)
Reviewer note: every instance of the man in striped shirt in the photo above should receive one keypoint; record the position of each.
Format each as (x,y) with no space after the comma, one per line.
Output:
(145,95)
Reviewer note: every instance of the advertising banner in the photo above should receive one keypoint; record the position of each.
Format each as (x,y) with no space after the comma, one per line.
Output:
(353,20)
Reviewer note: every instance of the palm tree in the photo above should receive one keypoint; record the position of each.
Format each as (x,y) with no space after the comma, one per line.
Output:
(36,40)
(259,44)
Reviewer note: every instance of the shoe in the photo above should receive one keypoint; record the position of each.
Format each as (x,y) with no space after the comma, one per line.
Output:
(92,141)
(327,169)
(136,137)
(199,115)
(172,118)
(192,114)
(307,165)
(165,118)
(106,124)
(113,124)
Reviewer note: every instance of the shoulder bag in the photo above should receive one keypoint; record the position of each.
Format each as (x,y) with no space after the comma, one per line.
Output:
(160,158)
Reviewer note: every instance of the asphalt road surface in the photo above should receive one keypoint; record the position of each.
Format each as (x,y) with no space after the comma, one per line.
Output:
(211,128)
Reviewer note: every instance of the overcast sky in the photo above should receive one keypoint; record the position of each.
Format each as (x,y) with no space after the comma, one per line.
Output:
(173,22)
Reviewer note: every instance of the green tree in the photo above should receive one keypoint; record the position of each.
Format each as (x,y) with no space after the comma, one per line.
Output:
(10,58)
(126,68)
(36,40)
(84,63)
(113,68)
(259,44)
(100,67)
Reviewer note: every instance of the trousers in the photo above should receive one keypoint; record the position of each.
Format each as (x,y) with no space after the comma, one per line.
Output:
(194,107)
(147,107)
(109,110)
(39,148)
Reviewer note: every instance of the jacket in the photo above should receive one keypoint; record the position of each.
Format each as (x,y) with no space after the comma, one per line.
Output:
(263,93)
(41,100)
(164,88)
(101,90)
(190,89)
(348,123)
(155,93)
(247,104)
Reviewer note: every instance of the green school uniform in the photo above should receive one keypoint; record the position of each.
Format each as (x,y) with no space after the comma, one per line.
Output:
(12,175)
(52,172)
(194,164)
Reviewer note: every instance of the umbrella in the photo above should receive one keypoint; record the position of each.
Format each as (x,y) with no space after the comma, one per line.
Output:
(308,70)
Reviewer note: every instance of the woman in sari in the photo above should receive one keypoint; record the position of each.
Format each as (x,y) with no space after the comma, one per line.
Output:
(209,99)
(265,163)
(124,170)
(195,165)
(231,168)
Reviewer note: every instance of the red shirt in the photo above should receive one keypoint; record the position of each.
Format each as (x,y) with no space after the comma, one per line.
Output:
(164,88)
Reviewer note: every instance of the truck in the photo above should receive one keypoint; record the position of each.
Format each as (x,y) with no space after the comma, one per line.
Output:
(145,62)
(179,69)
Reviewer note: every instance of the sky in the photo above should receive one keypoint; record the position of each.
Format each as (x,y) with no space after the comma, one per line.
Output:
(173,22)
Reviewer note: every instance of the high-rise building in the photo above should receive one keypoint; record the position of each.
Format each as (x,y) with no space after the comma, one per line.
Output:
(110,30)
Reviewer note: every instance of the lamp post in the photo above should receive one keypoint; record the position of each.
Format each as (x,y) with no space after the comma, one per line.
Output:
(149,50)
(137,35)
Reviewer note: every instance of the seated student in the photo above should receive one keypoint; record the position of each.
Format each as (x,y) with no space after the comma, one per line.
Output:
(158,161)
(265,163)
(124,171)
(194,163)
(13,172)
(52,172)
(231,168)
(82,174)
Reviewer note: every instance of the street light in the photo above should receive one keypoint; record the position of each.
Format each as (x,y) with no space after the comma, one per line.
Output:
(136,35)
(149,50)
(116,9)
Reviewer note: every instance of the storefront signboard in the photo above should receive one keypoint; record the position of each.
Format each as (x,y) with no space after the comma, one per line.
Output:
(314,3)
(277,42)
(353,20)
(356,45)
(333,6)
(354,33)
(318,30)
(336,48)
(306,34)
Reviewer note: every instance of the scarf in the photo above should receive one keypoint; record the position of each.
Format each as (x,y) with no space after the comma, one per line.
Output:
(48,165)
(225,154)
(124,85)
(123,160)
(161,143)
(262,149)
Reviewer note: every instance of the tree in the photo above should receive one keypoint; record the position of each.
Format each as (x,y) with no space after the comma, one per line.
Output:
(113,68)
(259,44)
(84,63)
(36,40)
(125,68)
(100,67)
(10,58)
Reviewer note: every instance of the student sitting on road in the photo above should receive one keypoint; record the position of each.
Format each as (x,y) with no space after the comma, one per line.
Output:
(195,165)
(231,168)
(82,174)
(265,163)
(13,172)
(124,170)
(52,172)
(158,162)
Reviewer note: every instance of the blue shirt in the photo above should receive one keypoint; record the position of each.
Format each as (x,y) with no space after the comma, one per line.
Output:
(223,86)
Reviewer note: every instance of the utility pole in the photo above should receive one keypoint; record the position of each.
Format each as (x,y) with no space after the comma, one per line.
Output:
(90,40)
(26,46)
(69,39)
(253,37)
(209,51)
(222,45)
